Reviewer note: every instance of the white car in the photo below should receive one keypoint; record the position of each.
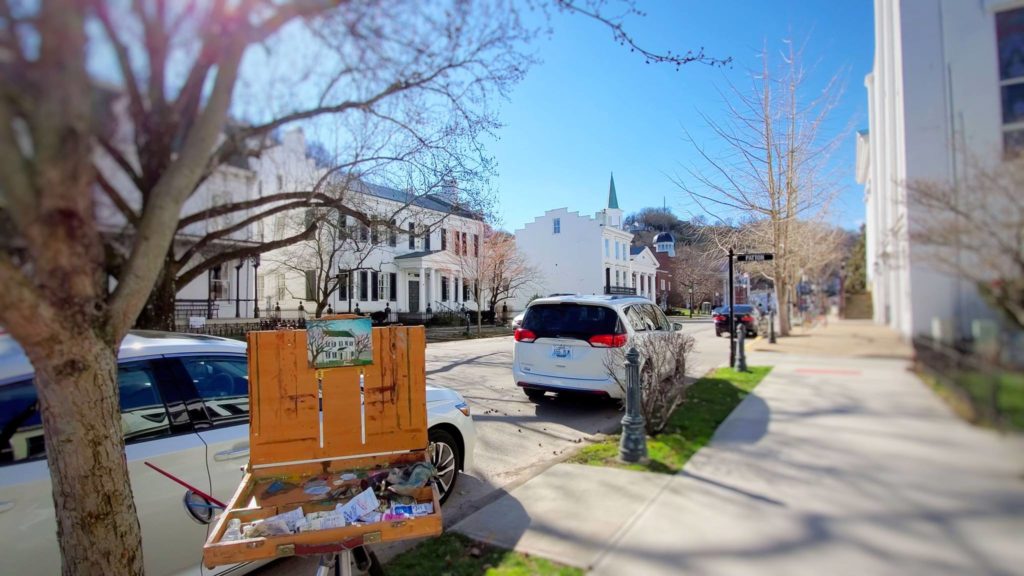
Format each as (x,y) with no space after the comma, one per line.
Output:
(185,408)
(567,343)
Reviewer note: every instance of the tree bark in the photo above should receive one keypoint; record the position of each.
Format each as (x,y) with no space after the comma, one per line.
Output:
(97,524)
(158,313)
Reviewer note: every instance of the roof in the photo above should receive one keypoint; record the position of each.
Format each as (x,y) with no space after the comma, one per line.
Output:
(634,250)
(428,201)
(419,254)
(664,237)
(613,200)
(339,333)
(137,344)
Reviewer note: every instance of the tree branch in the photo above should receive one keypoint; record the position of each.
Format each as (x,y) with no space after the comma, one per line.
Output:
(243,252)
(23,311)
(117,199)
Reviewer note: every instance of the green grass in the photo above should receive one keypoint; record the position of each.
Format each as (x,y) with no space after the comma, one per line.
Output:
(690,427)
(970,394)
(453,554)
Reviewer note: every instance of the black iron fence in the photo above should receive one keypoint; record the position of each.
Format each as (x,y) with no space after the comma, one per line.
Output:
(993,392)
(619,291)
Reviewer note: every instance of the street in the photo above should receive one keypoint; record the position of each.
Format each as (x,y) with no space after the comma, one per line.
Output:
(517,438)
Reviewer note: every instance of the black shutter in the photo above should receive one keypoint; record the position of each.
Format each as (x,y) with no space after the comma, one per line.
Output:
(426,239)
(394,287)
(311,285)
(412,236)
(343,286)
(374,286)
(444,239)
(392,235)
(363,285)
(476,245)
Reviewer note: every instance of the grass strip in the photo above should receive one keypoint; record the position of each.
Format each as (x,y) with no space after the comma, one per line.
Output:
(453,554)
(708,402)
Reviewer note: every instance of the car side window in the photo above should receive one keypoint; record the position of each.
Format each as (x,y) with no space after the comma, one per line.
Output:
(657,318)
(223,385)
(637,319)
(21,429)
(143,413)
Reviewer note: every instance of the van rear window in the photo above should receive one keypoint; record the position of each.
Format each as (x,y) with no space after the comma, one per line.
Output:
(570,320)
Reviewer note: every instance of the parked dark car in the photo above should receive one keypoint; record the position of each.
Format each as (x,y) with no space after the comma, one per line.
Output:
(745,315)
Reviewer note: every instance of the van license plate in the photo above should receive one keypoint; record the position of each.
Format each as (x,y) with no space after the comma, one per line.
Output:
(563,352)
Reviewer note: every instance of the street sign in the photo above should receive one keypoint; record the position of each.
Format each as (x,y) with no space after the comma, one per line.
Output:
(754,257)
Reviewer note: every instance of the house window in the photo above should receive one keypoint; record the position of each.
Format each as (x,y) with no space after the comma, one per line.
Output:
(393,287)
(464,244)
(1010,40)
(444,239)
(444,288)
(558,225)
(364,233)
(392,235)
(607,249)
(343,286)
(342,221)
(309,218)
(375,234)
(374,285)
(426,238)
(616,272)
(476,245)
(311,285)
(412,236)
(364,285)
(280,183)
(617,257)
(280,287)
(465,290)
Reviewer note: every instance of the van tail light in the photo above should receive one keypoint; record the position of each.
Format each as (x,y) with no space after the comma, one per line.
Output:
(747,318)
(719,318)
(608,340)
(524,335)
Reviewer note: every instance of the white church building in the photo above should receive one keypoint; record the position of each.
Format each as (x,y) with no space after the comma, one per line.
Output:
(580,254)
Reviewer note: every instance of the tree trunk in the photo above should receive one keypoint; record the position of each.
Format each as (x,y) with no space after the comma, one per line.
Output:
(97,526)
(158,313)
(782,295)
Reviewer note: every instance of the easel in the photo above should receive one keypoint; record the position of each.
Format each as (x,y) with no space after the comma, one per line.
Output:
(337,559)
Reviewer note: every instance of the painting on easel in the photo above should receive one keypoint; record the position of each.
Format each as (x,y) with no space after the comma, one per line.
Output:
(339,342)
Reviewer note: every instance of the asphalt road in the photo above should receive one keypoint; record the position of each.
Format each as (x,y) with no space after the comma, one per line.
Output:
(517,438)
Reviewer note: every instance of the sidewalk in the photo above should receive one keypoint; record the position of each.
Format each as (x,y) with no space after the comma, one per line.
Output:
(841,462)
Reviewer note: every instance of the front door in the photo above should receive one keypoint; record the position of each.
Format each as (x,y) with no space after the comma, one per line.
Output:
(414,295)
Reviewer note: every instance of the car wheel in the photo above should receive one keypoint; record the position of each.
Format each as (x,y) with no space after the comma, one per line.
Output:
(444,455)
(534,394)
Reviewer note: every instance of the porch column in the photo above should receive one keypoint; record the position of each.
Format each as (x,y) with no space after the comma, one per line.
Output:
(457,280)
(423,290)
(400,291)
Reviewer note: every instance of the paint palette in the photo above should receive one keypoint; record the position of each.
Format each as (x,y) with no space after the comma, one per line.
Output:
(311,427)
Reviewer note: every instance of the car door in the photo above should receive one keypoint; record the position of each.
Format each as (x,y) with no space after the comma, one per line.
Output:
(220,383)
(154,432)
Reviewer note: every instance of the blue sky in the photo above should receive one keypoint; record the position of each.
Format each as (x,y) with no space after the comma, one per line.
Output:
(592,107)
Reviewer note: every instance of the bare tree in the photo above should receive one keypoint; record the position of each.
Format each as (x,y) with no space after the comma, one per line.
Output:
(696,274)
(773,165)
(975,231)
(664,359)
(413,70)
(505,270)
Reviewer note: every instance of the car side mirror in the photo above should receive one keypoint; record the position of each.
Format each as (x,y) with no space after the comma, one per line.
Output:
(677,326)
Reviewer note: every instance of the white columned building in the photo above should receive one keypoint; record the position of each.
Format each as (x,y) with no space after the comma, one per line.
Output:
(946,89)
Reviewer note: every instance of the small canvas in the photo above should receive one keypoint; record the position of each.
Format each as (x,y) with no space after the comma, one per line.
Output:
(333,343)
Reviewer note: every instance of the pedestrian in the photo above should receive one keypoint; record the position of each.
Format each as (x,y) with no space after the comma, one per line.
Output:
(358,311)
(387,312)
(504,313)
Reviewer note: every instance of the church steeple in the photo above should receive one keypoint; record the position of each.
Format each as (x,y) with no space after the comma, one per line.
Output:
(611,216)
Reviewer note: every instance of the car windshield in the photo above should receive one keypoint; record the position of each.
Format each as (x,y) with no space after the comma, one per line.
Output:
(570,320)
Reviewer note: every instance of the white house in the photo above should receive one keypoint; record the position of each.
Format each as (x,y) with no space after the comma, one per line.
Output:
(420,258)
(339,345)
(947,84)
(576,254)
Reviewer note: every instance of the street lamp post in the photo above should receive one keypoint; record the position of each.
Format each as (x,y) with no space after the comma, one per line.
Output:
(255,285)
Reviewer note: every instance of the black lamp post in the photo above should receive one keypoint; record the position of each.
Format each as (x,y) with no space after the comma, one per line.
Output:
(255,286)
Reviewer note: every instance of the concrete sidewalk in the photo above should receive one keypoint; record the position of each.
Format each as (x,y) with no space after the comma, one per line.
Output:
(840,462)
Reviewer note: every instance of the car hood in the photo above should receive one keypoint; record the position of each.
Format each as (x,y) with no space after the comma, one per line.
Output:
(437,394)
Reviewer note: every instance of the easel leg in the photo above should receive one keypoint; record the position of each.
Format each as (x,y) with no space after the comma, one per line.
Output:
(338,564)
